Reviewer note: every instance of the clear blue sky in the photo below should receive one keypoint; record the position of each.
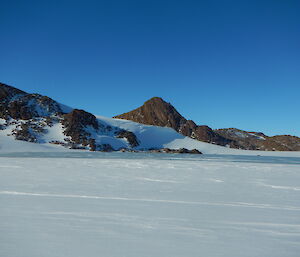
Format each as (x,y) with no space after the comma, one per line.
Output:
(220,63)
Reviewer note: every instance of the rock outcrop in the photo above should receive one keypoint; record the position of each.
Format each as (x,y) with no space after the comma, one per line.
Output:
(157,112)
(31,115)
(129,136)
(17,104)
(75,126)
(259,141)
(181,150)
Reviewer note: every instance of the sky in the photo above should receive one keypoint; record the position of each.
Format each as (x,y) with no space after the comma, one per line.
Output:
(220,63)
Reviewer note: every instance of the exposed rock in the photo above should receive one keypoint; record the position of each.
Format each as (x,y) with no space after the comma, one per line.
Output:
(77,147)
(17,104)
(123,150)
(82,127)
(206,134)
(24,134)
(130,136)
(181,150)
(160,113)
(106,148)
(57,142)
(29,131)
(78,119)
(75,124)
(157,112)
(291,142)
(92,144)
(9,92)
(195,151)
(258,141)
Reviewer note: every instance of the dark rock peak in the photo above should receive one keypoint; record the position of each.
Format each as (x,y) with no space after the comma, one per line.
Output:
(8,92)
(156,99)
(157,112)
(17,104)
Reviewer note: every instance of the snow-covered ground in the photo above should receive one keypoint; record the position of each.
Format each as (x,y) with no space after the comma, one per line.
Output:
(74,204)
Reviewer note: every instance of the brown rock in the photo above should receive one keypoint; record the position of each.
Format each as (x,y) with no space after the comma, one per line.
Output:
(258,141)
(75,123)
(157,112)
(131,137)
(18,104)
(181,150)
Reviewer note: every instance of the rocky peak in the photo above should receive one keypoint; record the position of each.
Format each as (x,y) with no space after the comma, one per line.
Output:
(157,112)
(8,92)
(17,104)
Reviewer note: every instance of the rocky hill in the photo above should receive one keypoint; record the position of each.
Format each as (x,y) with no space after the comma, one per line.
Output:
(157,112)
(259,141)
(30,117)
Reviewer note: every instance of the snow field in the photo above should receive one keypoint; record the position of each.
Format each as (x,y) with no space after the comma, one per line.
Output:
(148,207)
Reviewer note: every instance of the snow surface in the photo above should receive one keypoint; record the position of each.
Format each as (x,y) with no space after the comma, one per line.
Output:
(76,204)
(9,144)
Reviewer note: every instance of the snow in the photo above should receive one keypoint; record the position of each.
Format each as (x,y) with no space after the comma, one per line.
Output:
(54,133)
(78,203)
(105,136)
(9,144)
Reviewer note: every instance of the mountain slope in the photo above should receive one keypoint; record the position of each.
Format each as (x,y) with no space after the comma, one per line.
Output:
(157,112)
(260,141)
(39,119)
(160,113)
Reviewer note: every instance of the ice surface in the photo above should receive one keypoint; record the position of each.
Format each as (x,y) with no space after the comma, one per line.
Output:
(76,204)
